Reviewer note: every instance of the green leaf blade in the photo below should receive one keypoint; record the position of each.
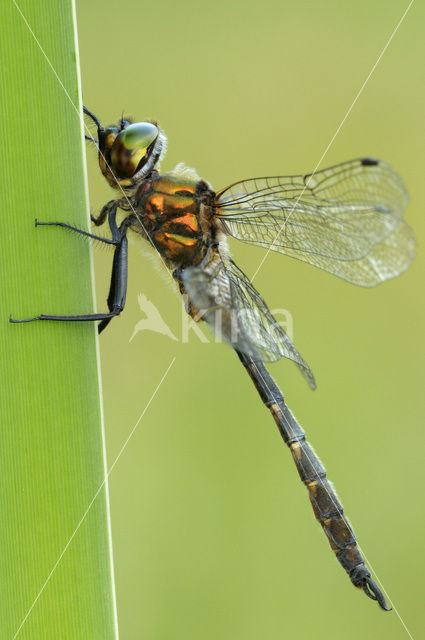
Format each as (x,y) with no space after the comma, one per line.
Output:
(51,439)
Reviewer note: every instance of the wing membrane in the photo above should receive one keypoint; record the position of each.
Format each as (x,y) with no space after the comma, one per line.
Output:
(334,219)
(233,308)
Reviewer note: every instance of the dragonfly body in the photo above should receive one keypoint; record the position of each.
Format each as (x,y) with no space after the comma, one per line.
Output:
(346,219)
(178,216)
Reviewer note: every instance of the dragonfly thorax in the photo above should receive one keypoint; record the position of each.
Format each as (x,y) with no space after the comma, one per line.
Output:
(178,217)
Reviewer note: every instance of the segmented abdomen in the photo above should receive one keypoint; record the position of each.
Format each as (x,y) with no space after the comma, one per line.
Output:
(326,506)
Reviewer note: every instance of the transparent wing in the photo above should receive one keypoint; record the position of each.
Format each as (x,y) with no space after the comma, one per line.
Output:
(235,311)
(340,219)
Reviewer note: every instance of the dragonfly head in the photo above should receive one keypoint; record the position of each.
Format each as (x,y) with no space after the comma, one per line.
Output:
(129,152)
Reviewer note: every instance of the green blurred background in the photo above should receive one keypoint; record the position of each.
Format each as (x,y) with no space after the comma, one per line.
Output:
(213,533)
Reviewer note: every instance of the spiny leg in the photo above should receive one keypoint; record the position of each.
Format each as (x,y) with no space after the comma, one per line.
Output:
(108,210)
(118,288)
(91,115)
(71,228)
(104,212)
(97,123)
(88,317)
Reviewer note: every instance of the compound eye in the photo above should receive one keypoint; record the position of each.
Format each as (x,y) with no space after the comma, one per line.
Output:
(131,146)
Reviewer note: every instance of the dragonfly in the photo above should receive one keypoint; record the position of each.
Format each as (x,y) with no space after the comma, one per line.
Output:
(346,219)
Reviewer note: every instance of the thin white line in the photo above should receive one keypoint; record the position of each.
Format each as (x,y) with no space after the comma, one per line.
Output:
(93,499)
(45,55)
(88,131)
(334,136)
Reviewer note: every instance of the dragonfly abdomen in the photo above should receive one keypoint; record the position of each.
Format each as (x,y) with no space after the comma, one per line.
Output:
(326,506)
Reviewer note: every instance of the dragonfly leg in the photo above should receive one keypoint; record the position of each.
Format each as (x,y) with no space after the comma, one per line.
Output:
(84,317)
(100,219)
(118,286)
(91,115)
(97,123)
(71,228)
(110,210)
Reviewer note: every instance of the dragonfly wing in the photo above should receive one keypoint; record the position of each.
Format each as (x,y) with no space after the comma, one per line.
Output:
(236,312)
(332,219)
(386,260)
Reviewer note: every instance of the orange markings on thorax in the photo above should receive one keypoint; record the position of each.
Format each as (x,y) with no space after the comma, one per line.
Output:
(155,202)
(168,205)
(189,220)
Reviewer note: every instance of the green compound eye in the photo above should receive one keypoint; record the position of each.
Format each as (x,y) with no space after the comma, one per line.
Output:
(138,135)
(130,146)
